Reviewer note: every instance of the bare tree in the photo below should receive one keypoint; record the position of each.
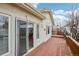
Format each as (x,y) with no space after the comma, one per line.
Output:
(73,24)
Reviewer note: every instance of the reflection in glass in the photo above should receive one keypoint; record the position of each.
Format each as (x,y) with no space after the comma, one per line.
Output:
(30,28)
(3,34)
(22,37)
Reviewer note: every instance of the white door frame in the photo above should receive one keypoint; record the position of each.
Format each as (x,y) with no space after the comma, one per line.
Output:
(27,33)
(16,45)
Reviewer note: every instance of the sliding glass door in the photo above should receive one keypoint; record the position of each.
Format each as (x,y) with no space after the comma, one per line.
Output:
(21,37)
(24,36)
(30,34)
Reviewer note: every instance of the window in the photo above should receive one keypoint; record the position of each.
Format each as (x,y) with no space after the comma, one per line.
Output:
(37,31)
(4,34)
(48,29)
(31,34)
(21,37)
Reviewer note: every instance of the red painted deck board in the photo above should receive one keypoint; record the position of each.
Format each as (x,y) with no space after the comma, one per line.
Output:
(53,47)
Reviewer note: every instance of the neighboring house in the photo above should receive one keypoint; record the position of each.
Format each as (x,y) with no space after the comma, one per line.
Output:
(23,28)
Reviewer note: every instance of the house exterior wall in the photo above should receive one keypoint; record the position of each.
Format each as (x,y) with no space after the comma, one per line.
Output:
(47,22)
(14,12)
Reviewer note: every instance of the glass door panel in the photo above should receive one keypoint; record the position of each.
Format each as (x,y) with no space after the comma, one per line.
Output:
(21,37)
(30,34)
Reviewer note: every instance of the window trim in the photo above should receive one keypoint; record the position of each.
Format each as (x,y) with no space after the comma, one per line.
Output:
(9,32)
(47,30)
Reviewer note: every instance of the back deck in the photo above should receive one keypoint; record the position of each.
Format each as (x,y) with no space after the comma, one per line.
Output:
(55,46)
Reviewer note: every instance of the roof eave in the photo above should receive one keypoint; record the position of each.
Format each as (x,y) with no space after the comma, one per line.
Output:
(31,10)
(50,13)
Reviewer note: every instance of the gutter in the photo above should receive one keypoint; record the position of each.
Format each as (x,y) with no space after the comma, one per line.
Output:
(31,10)
(50,13)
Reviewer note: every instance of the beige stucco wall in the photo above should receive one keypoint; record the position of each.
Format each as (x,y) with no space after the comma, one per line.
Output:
(15,11)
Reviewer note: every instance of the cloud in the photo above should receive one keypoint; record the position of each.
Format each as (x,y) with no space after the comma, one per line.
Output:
(62,12)
(60,19)
(65,12)
(35,4)
(68,13)
(58,11)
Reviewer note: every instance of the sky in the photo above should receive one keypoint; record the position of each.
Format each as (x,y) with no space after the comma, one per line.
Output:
(60,11)
(56,6)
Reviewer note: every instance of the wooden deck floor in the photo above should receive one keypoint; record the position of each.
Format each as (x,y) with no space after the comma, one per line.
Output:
(56,46)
